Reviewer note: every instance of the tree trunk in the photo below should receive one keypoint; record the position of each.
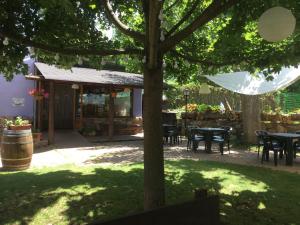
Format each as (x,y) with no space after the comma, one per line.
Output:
(154,191)
(251,117)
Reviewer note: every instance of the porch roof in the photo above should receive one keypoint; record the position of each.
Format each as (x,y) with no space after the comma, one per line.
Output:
(87,75)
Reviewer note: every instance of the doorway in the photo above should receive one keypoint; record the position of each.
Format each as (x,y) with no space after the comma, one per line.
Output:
(63,107)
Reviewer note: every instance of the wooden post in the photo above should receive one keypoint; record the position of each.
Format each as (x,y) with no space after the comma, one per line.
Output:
(51,114)
(74,109)
(81,106)
(251,117)
(111,115)
(40,107)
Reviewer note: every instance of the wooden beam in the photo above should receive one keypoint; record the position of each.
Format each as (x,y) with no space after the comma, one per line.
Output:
(40,108)
(74,109)
(33,77)
(81,106)
(51,114)
(111,115)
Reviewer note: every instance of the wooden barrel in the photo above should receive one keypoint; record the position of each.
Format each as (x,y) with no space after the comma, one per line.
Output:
(16,149)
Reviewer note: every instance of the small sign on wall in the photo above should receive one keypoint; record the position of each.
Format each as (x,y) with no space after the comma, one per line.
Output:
(18,102)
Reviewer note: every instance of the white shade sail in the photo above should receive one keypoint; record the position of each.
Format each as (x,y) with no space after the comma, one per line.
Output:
(247,84)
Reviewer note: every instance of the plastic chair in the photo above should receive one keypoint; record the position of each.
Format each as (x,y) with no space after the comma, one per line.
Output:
(271,144)
(260,142)
(219,138)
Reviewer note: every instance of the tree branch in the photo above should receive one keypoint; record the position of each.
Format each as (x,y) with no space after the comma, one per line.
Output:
(68,51)
(201,61)
(184,18)
(211,12)
(171,6)
(122,27)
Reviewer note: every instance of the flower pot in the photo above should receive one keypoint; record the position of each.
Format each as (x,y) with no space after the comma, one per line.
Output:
(16,149)
(20,127)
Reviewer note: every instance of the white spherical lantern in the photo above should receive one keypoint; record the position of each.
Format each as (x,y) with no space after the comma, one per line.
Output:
(276,24)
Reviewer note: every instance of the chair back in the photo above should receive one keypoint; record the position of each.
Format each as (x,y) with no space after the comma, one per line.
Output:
(262,136)
(227,128)
(227,132)
(222,133)
(189,130)
(168,129)
(195,132)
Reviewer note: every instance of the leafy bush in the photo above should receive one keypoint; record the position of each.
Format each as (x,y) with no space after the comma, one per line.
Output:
(204,108)
(16,122)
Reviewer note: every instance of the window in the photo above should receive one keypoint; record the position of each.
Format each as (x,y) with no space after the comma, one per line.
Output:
(95,102)
(123,103)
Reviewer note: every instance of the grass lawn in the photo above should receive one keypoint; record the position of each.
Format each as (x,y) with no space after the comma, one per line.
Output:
(76,195)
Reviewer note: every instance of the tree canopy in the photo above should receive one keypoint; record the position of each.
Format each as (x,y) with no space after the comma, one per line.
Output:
(71,31)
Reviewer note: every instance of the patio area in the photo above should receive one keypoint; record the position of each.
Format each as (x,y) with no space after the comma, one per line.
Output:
(72,148)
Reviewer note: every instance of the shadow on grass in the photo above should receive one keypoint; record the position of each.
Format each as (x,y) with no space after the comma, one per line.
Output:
(73,195)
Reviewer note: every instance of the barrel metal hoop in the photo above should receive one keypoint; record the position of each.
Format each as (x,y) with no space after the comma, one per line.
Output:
(16,166)
(16,132)
(16,135)
(16,159)
(17,143)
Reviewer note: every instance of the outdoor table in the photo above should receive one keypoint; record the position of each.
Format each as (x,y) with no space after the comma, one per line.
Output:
(288,138)
(208,133)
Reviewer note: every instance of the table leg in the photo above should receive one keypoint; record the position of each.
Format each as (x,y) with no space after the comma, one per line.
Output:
(208,146)
(195,145)
(208,139)
(289,149)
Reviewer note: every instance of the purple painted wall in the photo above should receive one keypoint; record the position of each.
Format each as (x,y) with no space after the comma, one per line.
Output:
(14,98)
(137,103)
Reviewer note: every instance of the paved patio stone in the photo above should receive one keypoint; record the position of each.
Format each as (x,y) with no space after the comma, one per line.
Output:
(72,148)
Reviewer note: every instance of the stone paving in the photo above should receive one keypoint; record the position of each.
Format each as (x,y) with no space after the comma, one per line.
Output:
(72,148)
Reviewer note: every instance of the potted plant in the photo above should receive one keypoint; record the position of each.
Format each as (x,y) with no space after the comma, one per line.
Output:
(38,94)
(36,135)
(18,124)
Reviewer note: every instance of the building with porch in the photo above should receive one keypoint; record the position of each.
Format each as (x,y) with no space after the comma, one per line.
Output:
(96,102)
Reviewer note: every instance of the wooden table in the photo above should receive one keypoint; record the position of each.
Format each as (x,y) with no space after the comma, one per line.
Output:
(208,133)
(288,138)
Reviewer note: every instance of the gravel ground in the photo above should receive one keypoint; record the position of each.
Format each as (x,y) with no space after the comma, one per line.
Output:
(72,148)
(132,151)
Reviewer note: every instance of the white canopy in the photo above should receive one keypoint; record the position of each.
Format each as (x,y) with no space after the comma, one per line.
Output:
(247,84)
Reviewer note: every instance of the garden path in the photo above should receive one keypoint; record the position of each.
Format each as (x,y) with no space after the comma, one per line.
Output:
(72,148)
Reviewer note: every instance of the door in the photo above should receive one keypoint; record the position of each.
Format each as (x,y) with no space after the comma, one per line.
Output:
(63,110)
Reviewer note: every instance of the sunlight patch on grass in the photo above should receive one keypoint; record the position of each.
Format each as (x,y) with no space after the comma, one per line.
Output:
(261,206)
(232,182)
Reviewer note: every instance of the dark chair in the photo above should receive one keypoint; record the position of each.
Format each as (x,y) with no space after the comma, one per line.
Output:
(189,137)
(170,134)
(271,144)
(296,148)
(227,134)
(196,137)
(259,139)
(296,145)
(220,138)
